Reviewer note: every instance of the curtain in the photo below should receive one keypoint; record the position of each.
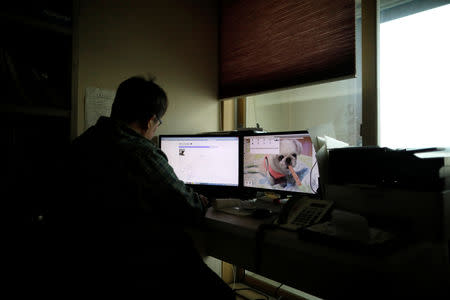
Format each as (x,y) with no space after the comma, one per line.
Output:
(272,44)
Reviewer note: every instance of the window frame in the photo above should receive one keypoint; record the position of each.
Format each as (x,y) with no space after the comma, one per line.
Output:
(370,38)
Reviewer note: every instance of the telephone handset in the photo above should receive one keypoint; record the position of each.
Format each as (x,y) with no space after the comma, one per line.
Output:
(301,212)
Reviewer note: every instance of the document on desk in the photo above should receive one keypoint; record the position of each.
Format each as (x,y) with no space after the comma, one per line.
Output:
(98,102)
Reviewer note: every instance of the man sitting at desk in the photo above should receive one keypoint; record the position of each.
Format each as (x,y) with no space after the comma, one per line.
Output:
(130,209)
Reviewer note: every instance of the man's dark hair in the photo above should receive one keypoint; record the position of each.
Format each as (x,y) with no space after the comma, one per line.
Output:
(137,100)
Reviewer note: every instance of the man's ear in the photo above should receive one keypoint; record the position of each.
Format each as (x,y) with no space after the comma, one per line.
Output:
(151,122)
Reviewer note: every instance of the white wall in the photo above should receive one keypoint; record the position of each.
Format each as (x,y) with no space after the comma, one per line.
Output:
(176,41)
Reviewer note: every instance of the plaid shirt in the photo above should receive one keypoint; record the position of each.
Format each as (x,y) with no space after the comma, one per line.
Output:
(110,145)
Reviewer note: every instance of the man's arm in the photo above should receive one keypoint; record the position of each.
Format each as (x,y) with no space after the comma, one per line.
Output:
(173,196)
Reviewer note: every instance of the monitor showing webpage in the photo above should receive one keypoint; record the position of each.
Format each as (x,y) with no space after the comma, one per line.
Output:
(280,162)
(200,160)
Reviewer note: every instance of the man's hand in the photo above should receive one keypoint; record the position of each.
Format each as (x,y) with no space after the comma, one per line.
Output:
(204,200)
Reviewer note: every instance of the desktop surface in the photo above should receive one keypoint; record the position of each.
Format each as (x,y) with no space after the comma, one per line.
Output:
(301,263)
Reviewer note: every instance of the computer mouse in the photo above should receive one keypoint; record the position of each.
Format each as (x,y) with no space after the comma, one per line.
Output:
(261,213)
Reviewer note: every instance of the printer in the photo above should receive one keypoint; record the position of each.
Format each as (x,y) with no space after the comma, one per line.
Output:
(384,167)
(390,185)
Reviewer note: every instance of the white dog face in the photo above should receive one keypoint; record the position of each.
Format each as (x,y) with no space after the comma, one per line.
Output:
(290,151)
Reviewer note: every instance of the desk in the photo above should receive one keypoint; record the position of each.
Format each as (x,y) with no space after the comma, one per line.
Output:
(321,270)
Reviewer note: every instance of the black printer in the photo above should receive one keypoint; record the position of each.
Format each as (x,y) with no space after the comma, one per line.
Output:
(384,167)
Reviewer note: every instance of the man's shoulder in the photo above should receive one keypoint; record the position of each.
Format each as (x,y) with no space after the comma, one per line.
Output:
(145,150)
(86,141)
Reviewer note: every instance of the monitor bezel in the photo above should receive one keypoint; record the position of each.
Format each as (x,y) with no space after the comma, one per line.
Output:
(214,191)
(282,193)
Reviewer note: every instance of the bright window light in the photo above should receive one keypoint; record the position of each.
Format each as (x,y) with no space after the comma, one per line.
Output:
(415,80)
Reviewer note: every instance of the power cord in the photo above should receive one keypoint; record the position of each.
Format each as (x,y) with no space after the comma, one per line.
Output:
(259,238)
(275,294)
(267,297)
(310,177)
(234,276)
(277,290)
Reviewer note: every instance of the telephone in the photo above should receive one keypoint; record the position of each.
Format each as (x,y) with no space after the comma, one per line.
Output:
(301,212)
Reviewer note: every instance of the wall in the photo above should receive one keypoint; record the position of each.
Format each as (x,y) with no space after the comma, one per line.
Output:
(175,41)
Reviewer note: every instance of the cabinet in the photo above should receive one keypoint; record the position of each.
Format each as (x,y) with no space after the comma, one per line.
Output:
(37,98)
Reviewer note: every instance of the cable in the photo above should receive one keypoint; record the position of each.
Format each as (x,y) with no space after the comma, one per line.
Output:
(310,176)
(277,290)
(254,290)
(254,111)
(234,275)
(259,238)
(239,276)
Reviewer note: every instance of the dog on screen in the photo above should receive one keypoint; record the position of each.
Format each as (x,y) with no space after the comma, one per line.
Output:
(280,168)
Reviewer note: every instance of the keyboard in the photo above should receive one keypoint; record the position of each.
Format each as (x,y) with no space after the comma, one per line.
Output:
(241,207)
(257,203)
(276,208)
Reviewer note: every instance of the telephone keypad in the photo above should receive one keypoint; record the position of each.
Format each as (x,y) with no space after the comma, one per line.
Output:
(307,216)
(303,213)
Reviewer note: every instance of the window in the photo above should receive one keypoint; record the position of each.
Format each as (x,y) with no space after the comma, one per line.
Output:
(333,107)
(414,67)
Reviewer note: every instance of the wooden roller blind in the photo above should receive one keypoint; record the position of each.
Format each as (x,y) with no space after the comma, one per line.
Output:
(272,44)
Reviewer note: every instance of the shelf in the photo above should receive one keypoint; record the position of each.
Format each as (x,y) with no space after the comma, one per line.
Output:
(36,23)
(35,110)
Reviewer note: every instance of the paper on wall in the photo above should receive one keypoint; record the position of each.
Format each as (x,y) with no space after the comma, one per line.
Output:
(98,102)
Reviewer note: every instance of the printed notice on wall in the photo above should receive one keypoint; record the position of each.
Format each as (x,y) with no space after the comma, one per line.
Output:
(98,102)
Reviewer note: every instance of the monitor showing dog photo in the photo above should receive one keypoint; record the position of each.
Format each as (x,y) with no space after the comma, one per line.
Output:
(281,161)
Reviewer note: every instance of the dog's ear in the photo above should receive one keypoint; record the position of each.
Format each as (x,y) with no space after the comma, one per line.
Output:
(298,146)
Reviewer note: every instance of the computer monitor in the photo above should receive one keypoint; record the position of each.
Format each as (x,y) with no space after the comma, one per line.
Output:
(203,160)
(283,162)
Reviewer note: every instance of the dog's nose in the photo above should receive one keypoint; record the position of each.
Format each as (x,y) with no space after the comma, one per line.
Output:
(288,161)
